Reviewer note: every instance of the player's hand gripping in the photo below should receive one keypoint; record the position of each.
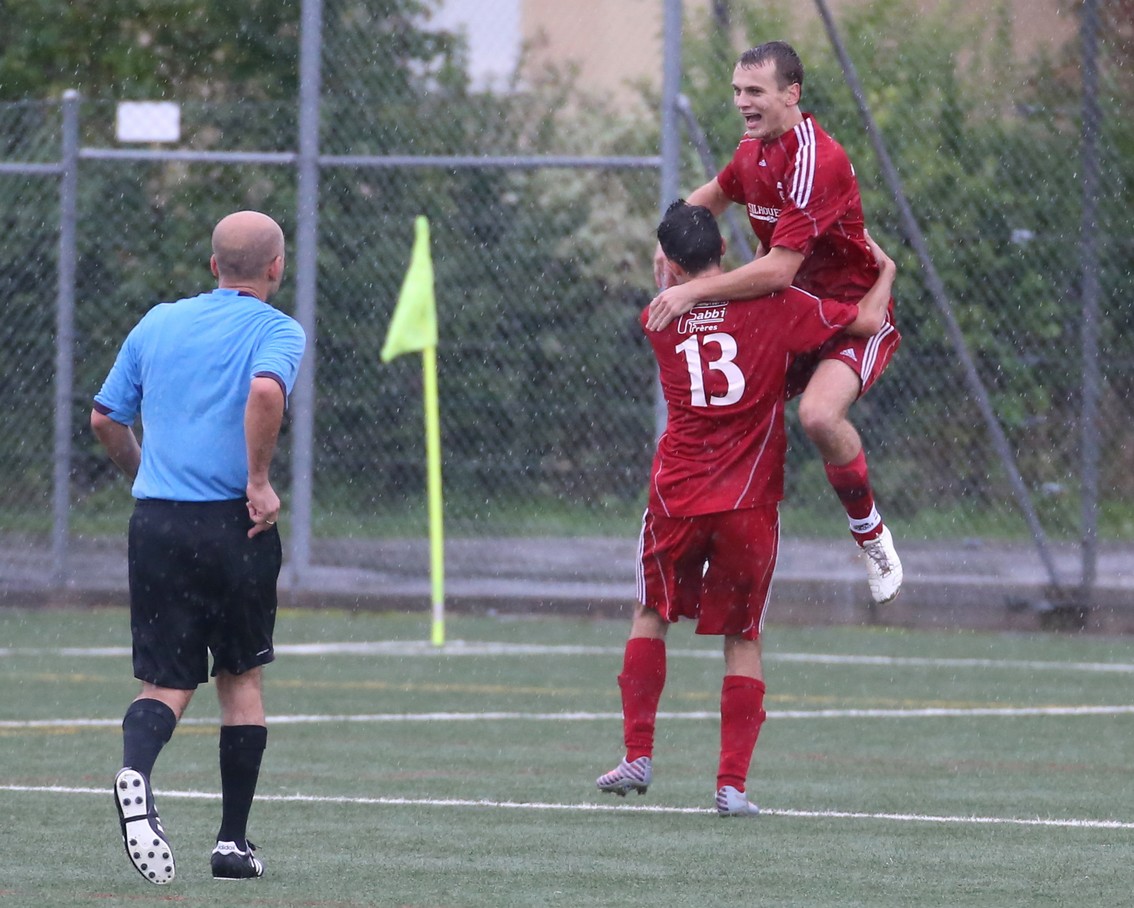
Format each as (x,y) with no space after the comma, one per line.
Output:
(670,303)
(881,259)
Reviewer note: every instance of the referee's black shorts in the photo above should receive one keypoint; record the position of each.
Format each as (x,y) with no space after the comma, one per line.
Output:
(198,584)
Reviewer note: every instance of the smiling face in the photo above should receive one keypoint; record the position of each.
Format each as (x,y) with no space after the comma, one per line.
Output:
(769,109)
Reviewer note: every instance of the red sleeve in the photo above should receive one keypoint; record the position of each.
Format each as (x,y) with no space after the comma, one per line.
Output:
(811,321)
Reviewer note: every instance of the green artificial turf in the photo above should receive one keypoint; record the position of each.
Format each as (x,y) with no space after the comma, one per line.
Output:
(894,770)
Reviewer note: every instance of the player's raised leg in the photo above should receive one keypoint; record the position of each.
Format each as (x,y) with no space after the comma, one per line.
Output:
(823,413)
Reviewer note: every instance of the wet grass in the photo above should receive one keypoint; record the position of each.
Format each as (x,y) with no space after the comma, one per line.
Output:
(897,768)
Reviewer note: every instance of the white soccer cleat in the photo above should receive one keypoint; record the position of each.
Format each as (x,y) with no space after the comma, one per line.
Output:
(883,567)
(634,776)
(733,803)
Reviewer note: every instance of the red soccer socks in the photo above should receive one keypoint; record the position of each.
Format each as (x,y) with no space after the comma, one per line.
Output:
(641,681)
(742,714)
(851,482)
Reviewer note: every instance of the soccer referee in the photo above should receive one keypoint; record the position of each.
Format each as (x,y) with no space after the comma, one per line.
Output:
(209,376)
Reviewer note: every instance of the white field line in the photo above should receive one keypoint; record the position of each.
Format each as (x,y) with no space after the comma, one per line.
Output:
(604,808)
(406,648)
(698,716)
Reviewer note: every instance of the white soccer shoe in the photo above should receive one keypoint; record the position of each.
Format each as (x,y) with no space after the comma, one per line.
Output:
(883,567)
(733,803)
(634,776)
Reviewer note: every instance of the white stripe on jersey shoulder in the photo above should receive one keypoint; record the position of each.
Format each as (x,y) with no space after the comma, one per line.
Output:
(803,180)
(805,132)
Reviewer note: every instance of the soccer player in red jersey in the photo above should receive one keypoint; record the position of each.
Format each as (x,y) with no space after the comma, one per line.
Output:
(802,199)
(711,531)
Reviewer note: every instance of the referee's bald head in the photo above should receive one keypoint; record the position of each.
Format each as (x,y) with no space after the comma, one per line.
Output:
(245,243)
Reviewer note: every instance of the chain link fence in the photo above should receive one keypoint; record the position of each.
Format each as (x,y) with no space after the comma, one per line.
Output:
(542,205)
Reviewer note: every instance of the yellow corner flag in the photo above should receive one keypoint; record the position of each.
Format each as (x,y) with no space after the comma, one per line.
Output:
(413,327)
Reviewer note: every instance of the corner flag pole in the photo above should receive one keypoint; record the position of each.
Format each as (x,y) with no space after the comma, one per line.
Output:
(433,492)
(413,328)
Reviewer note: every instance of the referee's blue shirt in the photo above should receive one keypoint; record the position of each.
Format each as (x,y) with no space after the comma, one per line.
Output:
(187,367)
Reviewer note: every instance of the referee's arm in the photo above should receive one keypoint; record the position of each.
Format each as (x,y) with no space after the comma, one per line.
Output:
(263,415)
(120,442)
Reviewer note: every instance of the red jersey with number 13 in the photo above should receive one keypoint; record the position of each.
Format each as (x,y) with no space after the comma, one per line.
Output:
(801,193)
(722,368)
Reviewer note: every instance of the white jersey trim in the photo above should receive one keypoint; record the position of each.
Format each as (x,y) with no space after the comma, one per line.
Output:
(803,180)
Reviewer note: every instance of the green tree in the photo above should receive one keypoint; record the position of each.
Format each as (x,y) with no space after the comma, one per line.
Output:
(538,313)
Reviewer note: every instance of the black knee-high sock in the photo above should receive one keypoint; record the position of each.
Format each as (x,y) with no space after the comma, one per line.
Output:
(146,727)
(241,750)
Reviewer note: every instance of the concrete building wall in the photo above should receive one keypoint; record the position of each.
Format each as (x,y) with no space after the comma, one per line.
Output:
(616,42)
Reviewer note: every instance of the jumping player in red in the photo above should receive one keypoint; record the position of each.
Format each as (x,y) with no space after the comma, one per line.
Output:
(711,531)
(803,203)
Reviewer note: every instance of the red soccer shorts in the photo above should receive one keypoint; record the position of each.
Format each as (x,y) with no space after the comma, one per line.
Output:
(716,568)
(868,357)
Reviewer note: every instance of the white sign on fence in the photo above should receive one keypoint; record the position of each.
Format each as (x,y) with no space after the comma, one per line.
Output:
(148,121)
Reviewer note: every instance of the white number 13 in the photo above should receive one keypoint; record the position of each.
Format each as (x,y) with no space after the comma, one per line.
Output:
(723,364)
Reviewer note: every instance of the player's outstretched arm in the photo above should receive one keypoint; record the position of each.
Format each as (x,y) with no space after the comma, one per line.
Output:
(768,274)
(873,308)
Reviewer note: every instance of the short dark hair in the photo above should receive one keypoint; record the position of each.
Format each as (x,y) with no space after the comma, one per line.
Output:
(789,68)
(689,236)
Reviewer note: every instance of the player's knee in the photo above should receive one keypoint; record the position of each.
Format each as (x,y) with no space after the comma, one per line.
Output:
(818,419)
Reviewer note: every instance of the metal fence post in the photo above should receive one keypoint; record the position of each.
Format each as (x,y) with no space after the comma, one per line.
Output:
(1089,288)
(306,265)
(669,184)
(65,337)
